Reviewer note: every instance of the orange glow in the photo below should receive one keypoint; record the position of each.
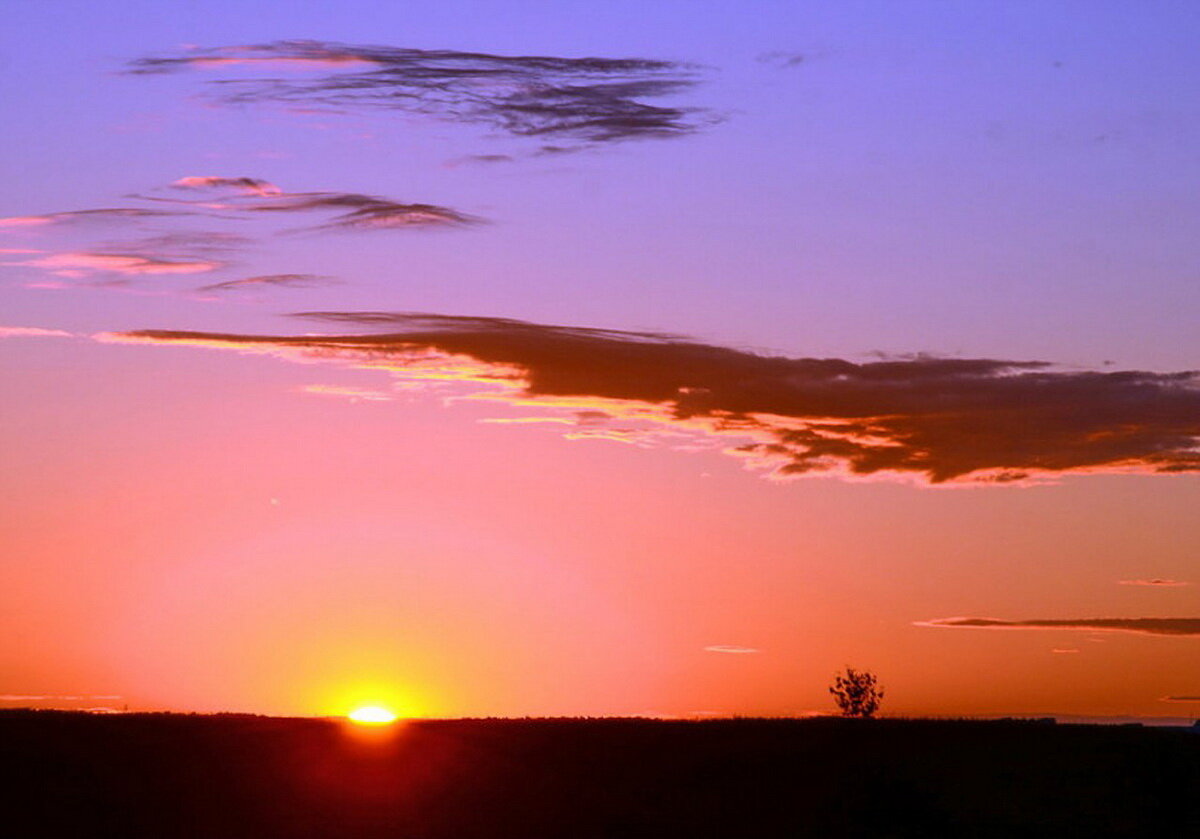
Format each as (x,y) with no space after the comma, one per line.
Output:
(372,715)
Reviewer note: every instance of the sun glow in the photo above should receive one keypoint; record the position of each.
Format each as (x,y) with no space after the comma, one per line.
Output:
(372,715)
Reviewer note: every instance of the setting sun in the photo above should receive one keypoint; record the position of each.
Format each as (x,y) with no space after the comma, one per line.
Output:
(372,715)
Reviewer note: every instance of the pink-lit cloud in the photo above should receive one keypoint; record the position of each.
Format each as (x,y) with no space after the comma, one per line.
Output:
(107,214)
(83,264)
(32,332)
(246,186)
(354,211)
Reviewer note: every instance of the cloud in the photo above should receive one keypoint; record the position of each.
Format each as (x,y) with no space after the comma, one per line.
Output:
(1145,626)
(184,252)
(782,59)
(730,648)
(193,242)
(32,332)
(16,697)
(576,100)
(1064,650)
(354,394)
(1180,699)
(478,158)
(1156,581)
(247,186)
(104,214)
(245,195)
(285,280)
(932,420)
(364,212)
(82,264)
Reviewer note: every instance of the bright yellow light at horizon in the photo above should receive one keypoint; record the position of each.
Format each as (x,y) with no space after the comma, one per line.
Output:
(372,715)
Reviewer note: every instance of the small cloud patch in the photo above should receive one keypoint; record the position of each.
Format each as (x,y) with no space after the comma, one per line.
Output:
(1155,581)
(731,649)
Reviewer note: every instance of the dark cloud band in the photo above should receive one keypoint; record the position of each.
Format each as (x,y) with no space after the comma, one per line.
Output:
(933,419)
(1145,626)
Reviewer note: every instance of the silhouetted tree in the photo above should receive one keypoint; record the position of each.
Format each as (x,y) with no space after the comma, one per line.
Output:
(857,693)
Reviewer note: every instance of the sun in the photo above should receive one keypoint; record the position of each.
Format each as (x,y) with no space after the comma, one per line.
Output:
(372,715)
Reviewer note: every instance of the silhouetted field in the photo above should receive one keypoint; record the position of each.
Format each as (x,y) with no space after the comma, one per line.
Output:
(173,776)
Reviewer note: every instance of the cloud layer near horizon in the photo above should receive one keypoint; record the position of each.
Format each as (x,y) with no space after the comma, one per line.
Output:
(932,419)
(576,100)
(1145,626)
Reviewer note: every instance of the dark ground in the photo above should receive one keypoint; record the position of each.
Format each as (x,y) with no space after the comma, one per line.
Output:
(172,776)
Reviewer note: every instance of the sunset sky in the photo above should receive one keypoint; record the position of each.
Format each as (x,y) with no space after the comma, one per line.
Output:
(600,357)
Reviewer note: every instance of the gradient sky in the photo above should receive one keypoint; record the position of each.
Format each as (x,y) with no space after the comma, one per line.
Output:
(804,335)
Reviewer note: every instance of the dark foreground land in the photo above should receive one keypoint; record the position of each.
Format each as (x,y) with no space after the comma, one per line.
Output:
(226,776)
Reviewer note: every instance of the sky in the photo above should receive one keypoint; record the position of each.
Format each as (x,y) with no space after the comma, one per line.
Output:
(600,357)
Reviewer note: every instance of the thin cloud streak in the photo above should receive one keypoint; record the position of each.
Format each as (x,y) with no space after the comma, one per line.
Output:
(246,195)
(731,649)
(354,394)
(1156,581)
(246,186)
(103,214)
(32,332)
(1145,626)
(577,100)
(922,418)
(284,280)
(18,697)
(82,264)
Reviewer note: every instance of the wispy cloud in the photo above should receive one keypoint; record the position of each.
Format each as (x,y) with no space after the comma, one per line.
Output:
(354,394)
(478,158)
(181,243)
(103,214)
(365,212)
(576,100)
(50,697)
(188,250)
(284,280)
(83,264)
(1154,581)
(1180,699)
(934,420)
(731,648)
(356,211)
(246,186)
(783,59)
(1144,626)
(32,332)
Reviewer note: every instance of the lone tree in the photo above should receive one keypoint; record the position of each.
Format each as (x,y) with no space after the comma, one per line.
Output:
(857,693)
